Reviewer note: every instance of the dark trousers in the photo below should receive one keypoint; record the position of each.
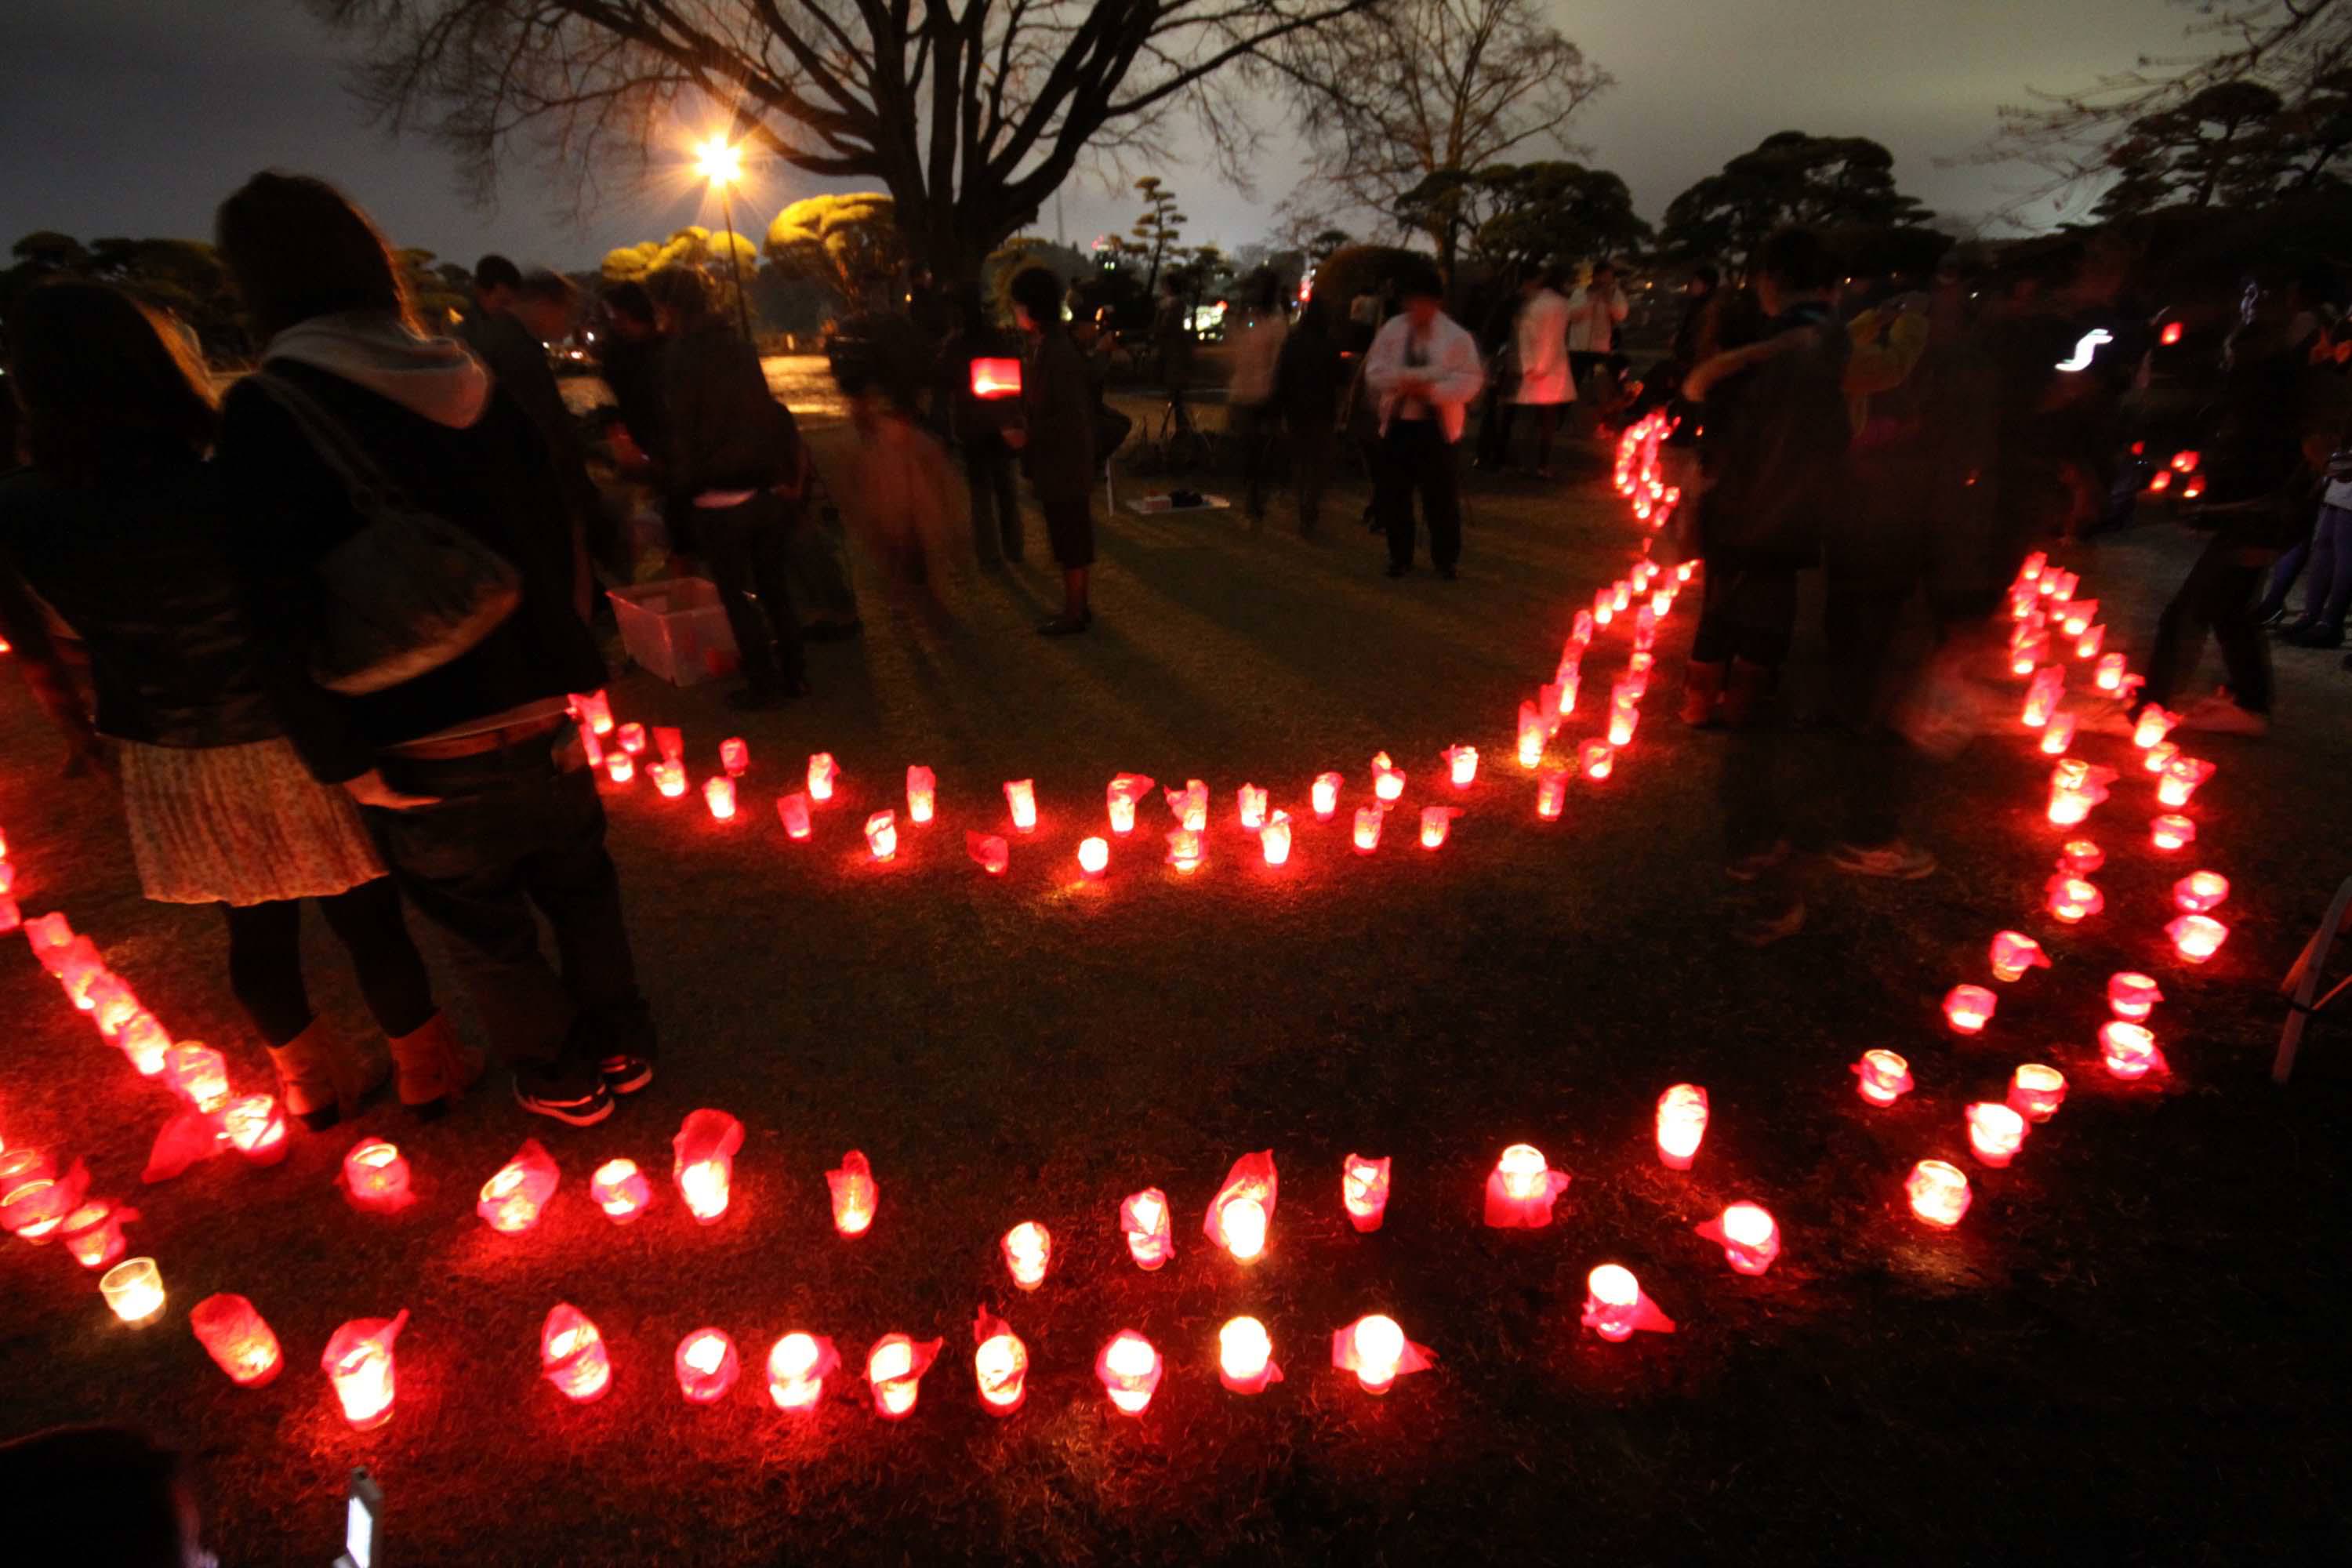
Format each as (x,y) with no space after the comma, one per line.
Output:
(1546,419)
(1746,613)
(265,961)
(1313,446)
(519,833)
(750,549)
(1861,623)
(995,503)
(2218,596)
(1416,456)
(1254,425)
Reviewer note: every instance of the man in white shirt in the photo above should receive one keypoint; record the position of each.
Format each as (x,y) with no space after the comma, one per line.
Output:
(1593,313)
(1545,384)
(1422,370)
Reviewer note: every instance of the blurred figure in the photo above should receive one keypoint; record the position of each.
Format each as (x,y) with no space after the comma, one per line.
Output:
(103,1497)
(1546,384)
(1422,370)
(1309,378)
(510,334)
(1256,351)
(1056,439)
(1594,314)
(977,426)
(632,360)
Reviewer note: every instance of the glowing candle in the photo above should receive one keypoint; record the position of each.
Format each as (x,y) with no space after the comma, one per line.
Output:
(922,793)
(707,1365)
(2181,777)
(1364,1190)
(147,1044)
(734,757)
(2108,673)
(1996,1133)
(375,1177)
(1150,1240)
(1604,606)
(1881,1078)
(92,1233)
(2132,996)
(358,1362)
(621,1189)
(1596,760)
(2086,644)
(1000,1364)
(1620,593)
(1274,840)
(989,850)
(1021,800)
(702,1161)
(1374,1348)
(1622,719)
(1749,1236)
(2036,1091)
(511,1200)
(1616,1308)
(798,1365)
(1548,700)
(2199,891)
(1246,1356)
(1120,796)
(1130,1368)
(2070,899)
(2042,696)
(1939,1192)
(1028,1252)
(2068,806)
(855,1195)
(572,1355)
(823,774)
(1243,1209)
(2152,725)
(36,1207)
(1388,783)
(2027,650)
(2197,937)
(994,379)
(2081,855)
(1184,849)
(1251,802)
(1551,794)
(792,810)
(1580,633)
(620,767)
(894,1370)
(2058,734)
(718,791)
(632,739)
(51,939)
(200,1075)
(670,778)
(2074,618)
(2129,1050)
(1436,821)
(1368,828)
(1533,731)
(1968,1008)
(2158,757)
(670,742)
(2170,833)
(238,1339)
(1324,795)
(256,1126)
(1093,853)
(882,834)
(2014,953)
(1521,1189)
(1681,1125)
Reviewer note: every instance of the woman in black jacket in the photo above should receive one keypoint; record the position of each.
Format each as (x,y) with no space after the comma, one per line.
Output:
(119,531)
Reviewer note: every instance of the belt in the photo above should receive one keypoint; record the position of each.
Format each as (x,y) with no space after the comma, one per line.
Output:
(476,744)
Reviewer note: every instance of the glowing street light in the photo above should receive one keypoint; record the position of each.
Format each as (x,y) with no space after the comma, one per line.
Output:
(720,164)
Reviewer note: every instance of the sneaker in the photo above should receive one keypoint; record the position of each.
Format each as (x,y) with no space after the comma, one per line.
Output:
(2217,715)
(1763,930)
(625,1072)
(1748,867)
(1899,859)
(545,1093)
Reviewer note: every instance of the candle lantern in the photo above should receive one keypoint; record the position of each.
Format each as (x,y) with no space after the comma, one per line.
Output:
(1622,716)
(1125,790)
(255,1124)
(1580,631)
(1750,1236)
(734,757)
(894,1370)
(1521,1189)
(1245,1357)
(2108,675)
(1274,841)
(2027,650)
(1021,800)
(199,1074)
(572,1355)
(1938,1193)
(1189,805)
(2059,733)
(632,739)
(1436,821)
(989,850)
(1374,1348)
(2087,643)
(51,939)
(2158,758)
(35,1208)
(1596,760)
(2199,891)
(2132,996)
(2075,617)
(2181,776)
(1996,1131)
(2042,696)
(1388,785)
(1324,795)
(2197,937)
(511,1200)
(147,1043)
(2152,725)
(1881,1078)
(2035,1092)
(78,969)
(590,746)
(1000,1363)
(996,380)
(1604,606)
(1242,1210)
(2170,833)
(707,1365)
(2014,953)
(2129,1050)
(1616,1308)
(922,793)
(1681,1125)
(1368,828)
(1548,700)
(11,917)
(1028,1253)
(798,1365)
(1551,794)
(621,1189)
(375,1177)
(792,811)
(1968,1008)
(238,1339)
(620,767)
(1364,1190)
(1533,733)
(2081,855)
(823,774)
(702,1161)
(358,1362)
(1093,853)
(669,740)
(112,1006)
(134,1291)
(1129,1369)
(855,1195)
(1184,849)
(1620,593)
(2070,899)
(20,1167)
(1251,802)
(718,791)
(1150,1239)
(93,1233)
(670,778)
(882,834)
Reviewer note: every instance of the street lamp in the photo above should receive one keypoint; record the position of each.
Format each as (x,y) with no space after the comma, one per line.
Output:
(722,166)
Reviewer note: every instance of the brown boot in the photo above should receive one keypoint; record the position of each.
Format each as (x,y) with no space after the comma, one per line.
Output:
(434,1065)
(320,1077)
(1744,694)
(1702,689)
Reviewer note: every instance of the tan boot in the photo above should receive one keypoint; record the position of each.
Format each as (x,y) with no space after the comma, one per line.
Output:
(1702,689)
(320,1077)
(434,1065)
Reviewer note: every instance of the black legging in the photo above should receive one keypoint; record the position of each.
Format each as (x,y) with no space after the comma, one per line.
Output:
(265,961)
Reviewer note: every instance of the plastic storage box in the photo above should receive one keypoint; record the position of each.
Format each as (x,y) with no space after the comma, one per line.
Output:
(676,630)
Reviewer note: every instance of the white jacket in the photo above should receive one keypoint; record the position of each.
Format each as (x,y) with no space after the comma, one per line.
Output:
(1593,319)
(1542,337)
(1451,366)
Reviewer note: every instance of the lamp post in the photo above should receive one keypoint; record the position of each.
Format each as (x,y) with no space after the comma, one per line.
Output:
(722,166)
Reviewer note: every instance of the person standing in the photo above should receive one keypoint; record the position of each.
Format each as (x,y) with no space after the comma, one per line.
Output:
(469,774)
(976,424)
(1257,348)
(1422,370)
(2328,592)
(1309,379)
(1056,439)
(121,529)
(1593,313)
(1546,385)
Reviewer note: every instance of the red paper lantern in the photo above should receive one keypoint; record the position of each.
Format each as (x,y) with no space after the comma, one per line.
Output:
(2132,996)
(2058,733)
(1596,760)
(718,791)
(1028,1252)
(2152,725)
(922,793)
(792,810)
(882,834)
(621,1189)
(375,1177)
(1094,854)
(2170,833)
(2070,899)
(93,1232)
(2014,953)
(1245,1357)
(256,1126)
(734,757)
(1881,1078)
(2108,673)
(1551,794)
(51,939)
(1615,1307)
(706,1365)
(1184,849)
(1274,840)
(1968,1008)
(1388,785)
(199,1074)
(2129,1050)
(147,1044)
(358,1363)
(511,1200)
(670,742)
(1243,1210)
(1681,1125)
(1939,1192)
(1189,805)
(35,1208)
(989,850)
(798,1365)
(2181,777)
(823,774)
(1436,821)
(1000,1364)
(238,1340)
(1251,802)
(702,1161)
(1368,828)
(855,1195)
(1129,1369)
(572,1355)
(2197,937)
(2199,891)
(620,767)
(2170,335)
(632,737)
(1750,1236)
(1996,1133)
(1151,1239)
(1622,716)
(894,1369)
(1021,800)
(2035,1092)
(2080,855)
(1364,1190)
(1124,791)
(994,380)
(670,778)
(1374,1348)
(596,711)
(1521,1189)
(1324,795)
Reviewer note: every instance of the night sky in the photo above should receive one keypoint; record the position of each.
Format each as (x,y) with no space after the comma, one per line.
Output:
(134,117)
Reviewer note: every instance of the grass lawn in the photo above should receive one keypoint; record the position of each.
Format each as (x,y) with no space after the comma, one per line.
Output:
(2121,1355)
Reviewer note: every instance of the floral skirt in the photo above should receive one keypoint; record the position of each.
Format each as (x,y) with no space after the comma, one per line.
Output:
(239,825)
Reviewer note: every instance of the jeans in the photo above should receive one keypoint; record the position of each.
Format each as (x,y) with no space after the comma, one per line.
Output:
(265,961)
(749,548)
(1747,614)
(1416,455)
(2328,596)
(995,504)
(2218,596)
(519,831)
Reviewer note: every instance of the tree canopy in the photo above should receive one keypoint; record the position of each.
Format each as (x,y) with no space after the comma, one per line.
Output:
(1826,181)
(185,277)
(850,243)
